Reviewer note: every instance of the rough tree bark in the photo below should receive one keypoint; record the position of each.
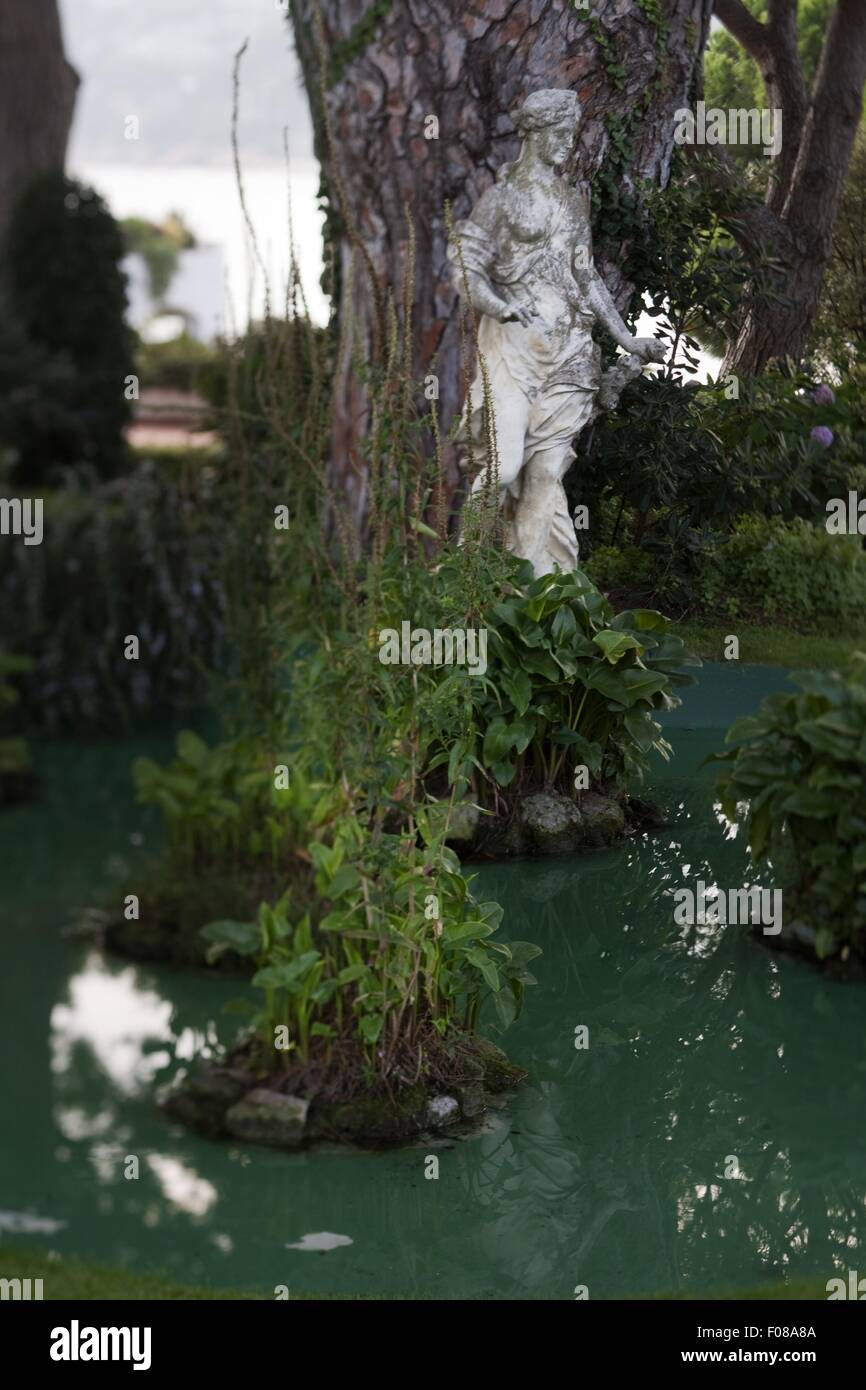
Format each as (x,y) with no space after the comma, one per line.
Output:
(818,130)
(393,63)
(37,96)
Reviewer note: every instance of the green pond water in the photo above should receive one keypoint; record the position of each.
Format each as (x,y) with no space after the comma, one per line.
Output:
(606,1170)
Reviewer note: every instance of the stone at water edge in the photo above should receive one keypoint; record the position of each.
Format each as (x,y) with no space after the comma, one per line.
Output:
(443,1110)
(463,824)
(201,1099)
(603,819)
(472,1098)
(268,1117)
(552,822)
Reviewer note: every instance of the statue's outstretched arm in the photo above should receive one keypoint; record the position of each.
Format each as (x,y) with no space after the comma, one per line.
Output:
(601,300)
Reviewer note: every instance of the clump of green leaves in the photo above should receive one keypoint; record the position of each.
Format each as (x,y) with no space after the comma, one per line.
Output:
(795,779)
(570,682)
(401,953)
(785,570)
(228,805)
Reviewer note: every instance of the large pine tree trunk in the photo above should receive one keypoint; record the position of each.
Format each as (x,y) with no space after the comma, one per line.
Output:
(467,63)
(37,96)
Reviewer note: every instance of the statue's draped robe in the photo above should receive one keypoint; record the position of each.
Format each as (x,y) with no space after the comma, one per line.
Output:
(543,380)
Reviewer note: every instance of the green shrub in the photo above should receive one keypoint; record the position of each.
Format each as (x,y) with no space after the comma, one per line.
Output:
(789,571)
(674,467)
(64,288)
(569,683)
(141,555)
(796,780)
(623,571)
(401,951)
(221,805)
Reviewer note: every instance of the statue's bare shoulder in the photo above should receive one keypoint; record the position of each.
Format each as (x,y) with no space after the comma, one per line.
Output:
(491,208)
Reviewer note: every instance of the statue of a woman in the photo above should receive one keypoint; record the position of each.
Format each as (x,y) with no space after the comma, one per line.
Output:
(524,257)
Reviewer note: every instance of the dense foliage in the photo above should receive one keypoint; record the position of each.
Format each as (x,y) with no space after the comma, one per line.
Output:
(65,296)
(136,556)
(682,467)
(796,780)
(571,683)
(786,571)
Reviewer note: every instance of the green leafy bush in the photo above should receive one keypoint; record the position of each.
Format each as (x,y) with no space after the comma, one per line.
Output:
(140,555)
(796,780)
(226,805)
(629,570)
(399,952)
(677,466)
(64,288)
(569,682)
(789,571)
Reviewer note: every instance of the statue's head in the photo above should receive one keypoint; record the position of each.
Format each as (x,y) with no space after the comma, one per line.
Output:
(550,119)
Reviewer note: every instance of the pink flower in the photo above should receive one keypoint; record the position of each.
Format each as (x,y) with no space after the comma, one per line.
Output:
(822,435)
(823,395)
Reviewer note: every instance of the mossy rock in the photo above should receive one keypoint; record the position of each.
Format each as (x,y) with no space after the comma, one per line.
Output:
(202,1099)
(499,1073)
(371,1119)
(552,822)
(219,1100)
(603,819)
(268,1117)
(463,824)
(646,815)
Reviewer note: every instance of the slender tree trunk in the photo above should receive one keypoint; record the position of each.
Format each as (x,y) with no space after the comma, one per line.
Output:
(37,96)
(397,71)
(806,188)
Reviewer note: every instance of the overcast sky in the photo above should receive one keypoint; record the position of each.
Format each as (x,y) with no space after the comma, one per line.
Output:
(169,62)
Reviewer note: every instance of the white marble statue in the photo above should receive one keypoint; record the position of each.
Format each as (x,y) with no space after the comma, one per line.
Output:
(524,260)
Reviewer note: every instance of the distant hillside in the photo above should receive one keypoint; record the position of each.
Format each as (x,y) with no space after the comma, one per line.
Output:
(169,63)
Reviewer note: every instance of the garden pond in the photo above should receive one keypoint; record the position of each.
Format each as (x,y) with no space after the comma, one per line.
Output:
(711,1136)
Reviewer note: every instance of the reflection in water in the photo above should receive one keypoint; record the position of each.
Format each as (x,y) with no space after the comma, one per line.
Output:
(182,1186)
(708,1056)
(28,1223)
(117,1020)
(320,1241)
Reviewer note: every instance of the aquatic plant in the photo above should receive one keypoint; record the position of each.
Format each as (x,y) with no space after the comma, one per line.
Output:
(795,779)
(399,960)
(570,683)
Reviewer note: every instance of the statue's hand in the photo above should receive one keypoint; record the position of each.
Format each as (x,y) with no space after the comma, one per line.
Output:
(650,349)
(520,310)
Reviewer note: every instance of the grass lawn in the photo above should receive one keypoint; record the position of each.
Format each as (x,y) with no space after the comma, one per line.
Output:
(71,1279)
(772,646)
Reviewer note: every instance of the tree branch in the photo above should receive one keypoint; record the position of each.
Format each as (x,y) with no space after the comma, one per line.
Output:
(785,89)
(743,26)
(831,123)
(756,227)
